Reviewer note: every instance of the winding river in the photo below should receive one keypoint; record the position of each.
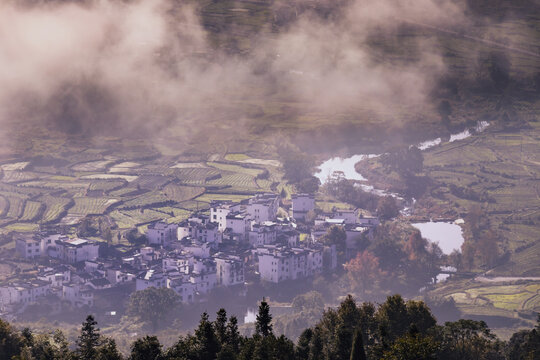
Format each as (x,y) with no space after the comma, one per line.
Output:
(448,235)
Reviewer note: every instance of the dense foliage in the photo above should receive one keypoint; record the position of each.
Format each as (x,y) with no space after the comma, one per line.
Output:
(396,329)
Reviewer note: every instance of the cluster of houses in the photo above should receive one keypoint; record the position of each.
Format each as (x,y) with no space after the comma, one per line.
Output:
(215,249)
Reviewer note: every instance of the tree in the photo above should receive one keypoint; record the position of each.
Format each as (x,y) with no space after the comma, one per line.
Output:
(393,316)
(420,316)
(357,351)
(311,300)
(412,347)
(297,166)
(263,324)
(220,326)
(89,340)
(10,341)
(487,247)
(309,185)
(233,335)
(336,235)
(152,305)
(108,350)
(302,348)
(363,271)
(147,348)
(415,247)
(466,340)
(206,340)
(387,207)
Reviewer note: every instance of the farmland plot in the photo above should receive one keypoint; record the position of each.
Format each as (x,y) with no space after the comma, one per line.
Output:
(32,211)
(92,166)
(19,176)
(194,176)
(55,207)
(85,205)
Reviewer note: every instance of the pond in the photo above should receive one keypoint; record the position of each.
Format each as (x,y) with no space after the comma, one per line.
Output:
(449,236)
(345,165)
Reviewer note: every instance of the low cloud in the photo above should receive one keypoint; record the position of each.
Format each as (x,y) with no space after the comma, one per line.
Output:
(142,67)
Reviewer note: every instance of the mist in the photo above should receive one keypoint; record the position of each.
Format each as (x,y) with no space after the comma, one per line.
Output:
(142,67)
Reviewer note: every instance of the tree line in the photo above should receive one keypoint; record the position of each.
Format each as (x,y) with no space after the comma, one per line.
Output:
(394,330)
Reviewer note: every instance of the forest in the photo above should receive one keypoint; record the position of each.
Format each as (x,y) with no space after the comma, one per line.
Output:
(394,330)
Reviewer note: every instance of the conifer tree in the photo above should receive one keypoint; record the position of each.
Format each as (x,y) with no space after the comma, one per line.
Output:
(220,326)
(89,340)
(147,348)
(357,351)
(263,325)
(233,335)
(207,343)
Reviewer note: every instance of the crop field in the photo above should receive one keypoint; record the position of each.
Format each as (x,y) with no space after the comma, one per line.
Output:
(194,176)
(55,207)
(14,166)
(127,166)
(92,166)
(128,178)
(501,297)
(236,169)
(238,181)
(19,176)
(209,197)
(32,211)
(84,205)
(16,206)
(151,181)
(106,185)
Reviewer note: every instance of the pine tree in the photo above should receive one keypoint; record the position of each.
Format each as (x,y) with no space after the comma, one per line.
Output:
(302,349)
(89,340)
(220,326)
(108,350)
(233,335)
(147,348)
(316,346)
(357,351)
(263,325)
(10,341)
(207,343)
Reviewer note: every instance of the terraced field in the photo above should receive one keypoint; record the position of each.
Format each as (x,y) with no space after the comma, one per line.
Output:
(85,206)
(32,211)
(55,207)
(500,298)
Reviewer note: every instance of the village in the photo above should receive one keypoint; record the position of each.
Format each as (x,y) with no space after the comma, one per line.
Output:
(219,248)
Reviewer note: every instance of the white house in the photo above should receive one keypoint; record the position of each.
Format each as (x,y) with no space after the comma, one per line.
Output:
(238,223)
(78,295)
(262,234)
(301,204)
(28,248)
(368,221)
(219,210)
(76,250)
(263,207)
(183,287)
(349,216)
(162,233)
(278,264)
(230,269)
(151,278)
(23,293)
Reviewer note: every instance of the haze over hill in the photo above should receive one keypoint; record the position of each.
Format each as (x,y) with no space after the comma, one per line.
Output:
(160,67)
